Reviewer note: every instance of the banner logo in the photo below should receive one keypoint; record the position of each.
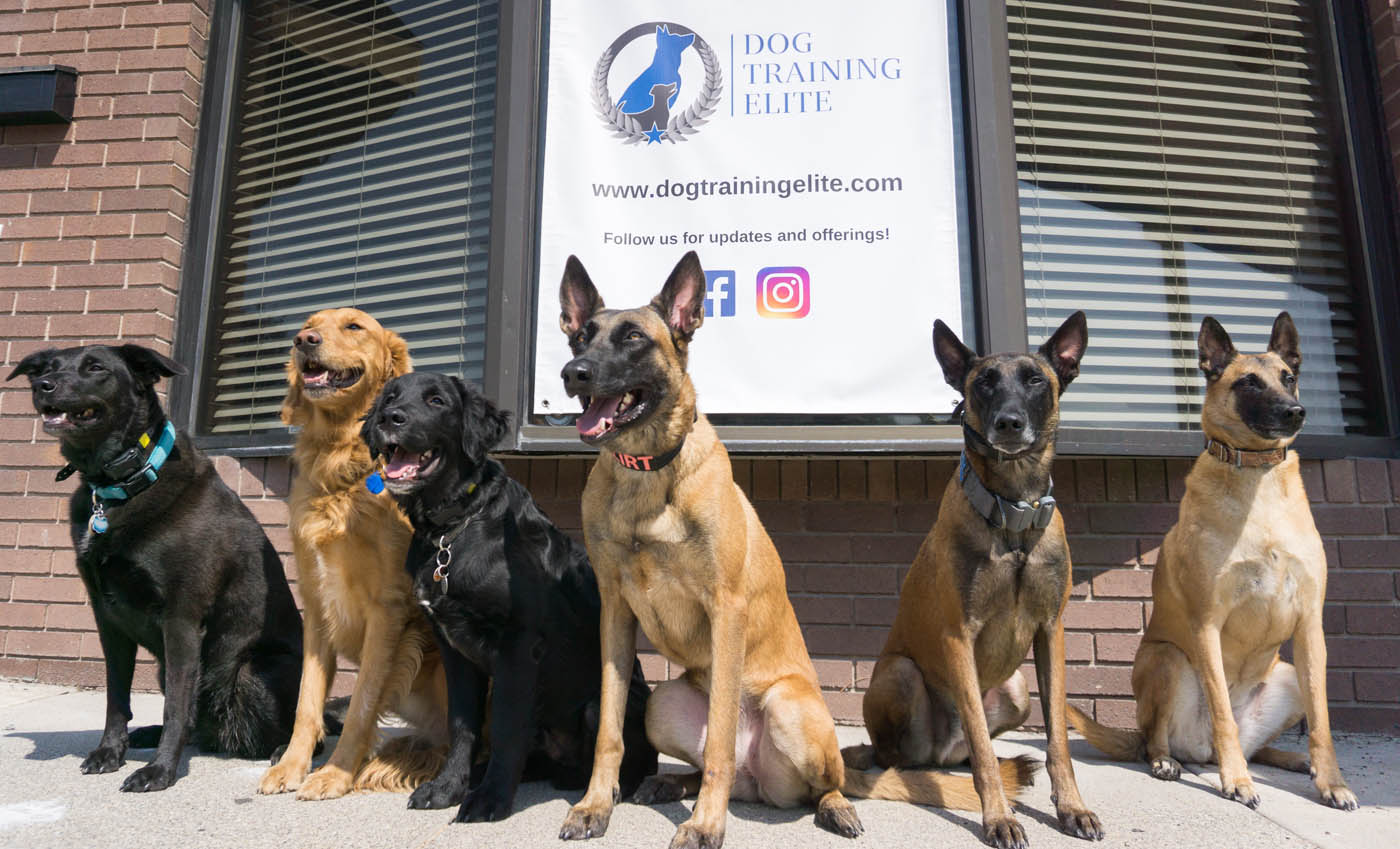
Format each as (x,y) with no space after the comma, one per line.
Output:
(647,109)
(784,292)
(719,293)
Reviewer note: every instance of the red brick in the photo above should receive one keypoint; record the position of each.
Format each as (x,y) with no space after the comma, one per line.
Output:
(1370,619)
(70,617)
(1119,481)
(822,609)
(1311,473)
(916,518)
(1336,519)
(92,107)
(22,507)
(118,200)
(67,201)
(34,228)
(1369,552)
(106,177)
(1375,686)
(1090,485)
(1130,583)
(1098,680)
(812,548)
(880,482)
(1339,479)
(114,83)
(73,673)
(885,548)
(1115,648)
(28,22)
(1105,615)
(70,154)
(64,250)
(1087,549)
(766,484)
(28,179)
(845,707)
(844,641)
(147,325)
(88,19)
(850,579)
(91,275)
(123,39)
(85,326)
(850,476)
(97,225)
(875,610)
(141,60)
(909,477)
(181,13)
(1359,586)
(841,516)
(42,644)
(17,615)
(21,668)
(1367,720)
(116,128)
(1363,651)
(1392,520)
(52,42)
(54,300)
(1142,518)
(1372,482)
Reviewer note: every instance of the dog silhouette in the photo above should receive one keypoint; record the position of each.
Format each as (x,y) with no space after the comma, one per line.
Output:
(659,115)
(664,70)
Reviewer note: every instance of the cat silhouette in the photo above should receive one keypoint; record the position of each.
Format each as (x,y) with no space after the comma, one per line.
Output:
(664,70)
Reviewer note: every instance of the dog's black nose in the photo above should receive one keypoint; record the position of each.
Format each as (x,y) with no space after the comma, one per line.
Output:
(1010,422)
(577,375)
(43,384)
(398,418)
(1296,414)
(307,338)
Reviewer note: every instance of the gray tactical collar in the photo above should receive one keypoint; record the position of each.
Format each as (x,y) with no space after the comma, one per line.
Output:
(1000,513)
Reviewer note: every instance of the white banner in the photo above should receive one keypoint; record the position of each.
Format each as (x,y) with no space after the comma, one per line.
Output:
(803,148)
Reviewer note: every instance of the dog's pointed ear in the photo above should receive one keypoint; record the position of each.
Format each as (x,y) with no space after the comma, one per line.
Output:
(397,362)
(1065,349)
(148,366)
(953,356)
(1284,341)
(1215,349)
(33,364)
(578,297)
(295,410)
(682,300)
(483,423)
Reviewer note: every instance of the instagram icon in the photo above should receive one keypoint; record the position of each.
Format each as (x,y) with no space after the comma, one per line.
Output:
(784,292)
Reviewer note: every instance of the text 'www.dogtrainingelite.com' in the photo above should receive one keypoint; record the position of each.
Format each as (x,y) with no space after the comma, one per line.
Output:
(784,187)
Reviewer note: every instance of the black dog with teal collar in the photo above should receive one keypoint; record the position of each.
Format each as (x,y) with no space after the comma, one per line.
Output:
(172,561)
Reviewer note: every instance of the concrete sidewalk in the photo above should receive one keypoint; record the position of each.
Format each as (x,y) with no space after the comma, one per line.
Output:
(45,732)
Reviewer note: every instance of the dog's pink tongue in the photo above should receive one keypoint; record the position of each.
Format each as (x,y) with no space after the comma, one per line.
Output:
(599,416)
(316,377)
(402,465)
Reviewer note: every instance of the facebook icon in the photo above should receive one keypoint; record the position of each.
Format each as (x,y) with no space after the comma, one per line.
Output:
(719,293)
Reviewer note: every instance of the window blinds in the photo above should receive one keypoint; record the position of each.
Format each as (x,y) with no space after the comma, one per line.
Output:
(1176,160)
(361,177)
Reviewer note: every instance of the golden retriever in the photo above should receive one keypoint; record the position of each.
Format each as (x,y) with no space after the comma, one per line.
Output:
(350,546)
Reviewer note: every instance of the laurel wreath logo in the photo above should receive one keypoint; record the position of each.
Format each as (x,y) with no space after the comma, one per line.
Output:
(682,124)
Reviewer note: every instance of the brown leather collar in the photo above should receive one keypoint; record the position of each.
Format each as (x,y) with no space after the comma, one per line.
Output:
(1242,459)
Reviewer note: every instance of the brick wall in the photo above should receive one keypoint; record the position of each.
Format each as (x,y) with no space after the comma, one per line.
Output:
(1385,33)
(93,217)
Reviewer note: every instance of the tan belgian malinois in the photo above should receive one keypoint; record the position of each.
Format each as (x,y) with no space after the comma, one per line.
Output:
(1242,571)
(678,548)
(991,579)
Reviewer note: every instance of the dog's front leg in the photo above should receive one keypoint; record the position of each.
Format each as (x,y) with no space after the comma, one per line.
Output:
(514,685)
(1310,657)
(466,702)
(705,828)
(1075,818)
(383,632)
(317,672)
(999,826)
(182,655)
(589,818)
(119,653)
(1235,782)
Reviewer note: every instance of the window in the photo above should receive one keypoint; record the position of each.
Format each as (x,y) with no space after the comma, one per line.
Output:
(1177,160)
(360,175)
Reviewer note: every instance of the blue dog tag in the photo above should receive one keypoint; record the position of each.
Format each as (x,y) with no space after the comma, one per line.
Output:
(98,523)
(374,483)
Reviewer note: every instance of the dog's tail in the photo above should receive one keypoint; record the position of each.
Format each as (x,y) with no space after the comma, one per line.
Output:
(400,765)
(927,786)
(1120,744)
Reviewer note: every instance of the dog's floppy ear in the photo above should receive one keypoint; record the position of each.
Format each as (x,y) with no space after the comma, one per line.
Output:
(578,297)
(953,356)
(1284,341)
(367,429)
(33,364)
(148,366)
(483,423)
(682,300)
(1215,348)
(397,362)
(1066,347)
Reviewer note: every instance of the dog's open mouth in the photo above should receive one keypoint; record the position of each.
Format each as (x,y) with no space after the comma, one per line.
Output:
(406,466)
(603,416)
(320,380)
(56,420)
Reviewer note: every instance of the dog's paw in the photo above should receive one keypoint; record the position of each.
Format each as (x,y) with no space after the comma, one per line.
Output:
(485,804)
(1166,768)
(103,759)
(1082,823)
(691,836)
(1004,833)
(149,778)
(328,782)
(1240,791)
(585,821)
(282,777)
(659,789)
(1340,796)
(436,794)
(836,814)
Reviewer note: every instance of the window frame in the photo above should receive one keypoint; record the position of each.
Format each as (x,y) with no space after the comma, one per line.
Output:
(994,233)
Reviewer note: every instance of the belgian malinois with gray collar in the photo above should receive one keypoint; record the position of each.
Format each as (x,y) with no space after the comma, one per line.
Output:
(678,548)
(1242,571)
(991,579)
